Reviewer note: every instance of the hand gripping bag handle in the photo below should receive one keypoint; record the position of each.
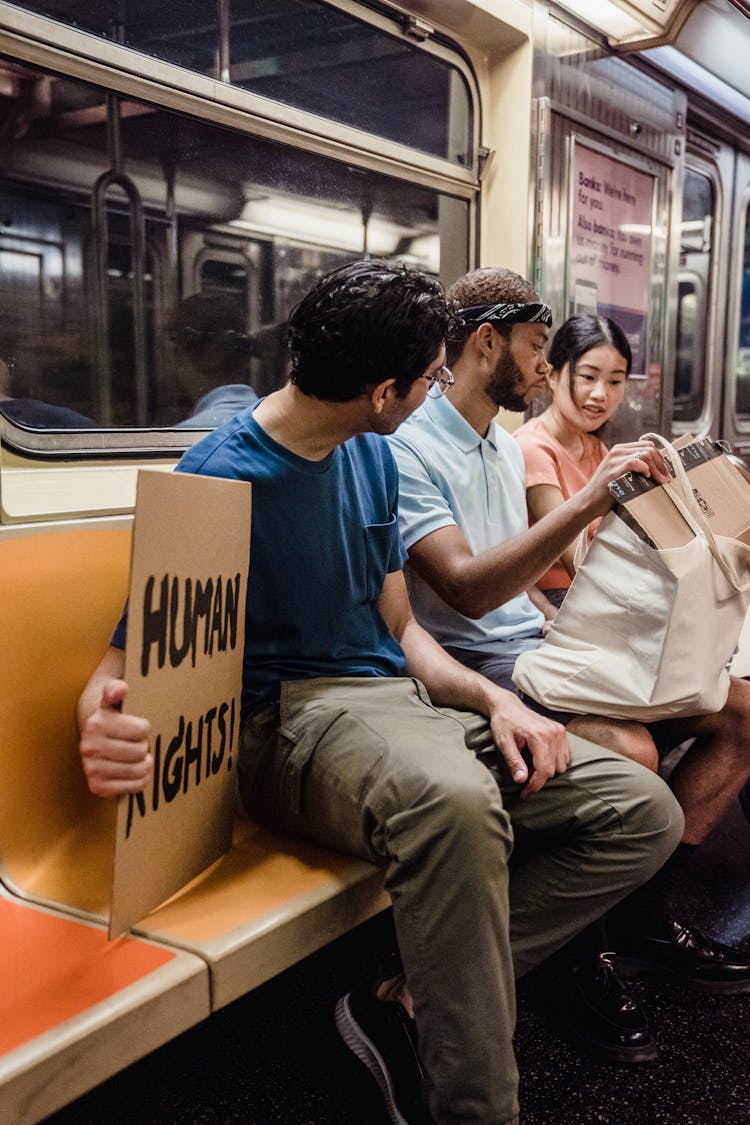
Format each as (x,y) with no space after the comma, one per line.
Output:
(690,510)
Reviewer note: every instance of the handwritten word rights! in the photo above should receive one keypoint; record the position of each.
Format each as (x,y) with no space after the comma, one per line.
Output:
(188,617)
(198,750)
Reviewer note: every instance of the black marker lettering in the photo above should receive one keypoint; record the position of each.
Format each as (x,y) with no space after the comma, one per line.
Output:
(154,624)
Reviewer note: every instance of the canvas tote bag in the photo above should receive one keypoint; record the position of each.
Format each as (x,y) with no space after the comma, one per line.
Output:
(644,633)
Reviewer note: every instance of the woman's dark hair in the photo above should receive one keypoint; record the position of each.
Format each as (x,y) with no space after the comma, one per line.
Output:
(363,323)
(579,334)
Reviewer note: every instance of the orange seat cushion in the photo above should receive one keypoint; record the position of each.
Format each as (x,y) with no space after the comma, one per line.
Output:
(60,597)
(55,968)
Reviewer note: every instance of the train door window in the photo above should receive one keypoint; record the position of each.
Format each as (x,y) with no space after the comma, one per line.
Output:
(308,54)
(742,402)
(692,298)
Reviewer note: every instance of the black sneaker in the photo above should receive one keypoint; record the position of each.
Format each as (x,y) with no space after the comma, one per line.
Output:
(384,1037)
(684,953)
(592,1006)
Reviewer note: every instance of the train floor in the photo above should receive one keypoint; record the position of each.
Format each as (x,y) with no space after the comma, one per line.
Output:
(274,1058)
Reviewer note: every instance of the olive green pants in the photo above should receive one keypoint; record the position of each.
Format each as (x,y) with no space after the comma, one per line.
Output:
(371,767)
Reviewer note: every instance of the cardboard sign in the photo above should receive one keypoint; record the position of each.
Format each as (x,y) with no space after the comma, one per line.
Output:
(183,665)
(720,490)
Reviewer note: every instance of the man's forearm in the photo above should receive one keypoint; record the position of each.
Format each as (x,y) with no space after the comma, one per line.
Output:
(477,584)
(448,682)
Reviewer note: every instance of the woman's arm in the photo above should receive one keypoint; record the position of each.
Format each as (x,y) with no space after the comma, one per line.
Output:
(538,599)
(543,499)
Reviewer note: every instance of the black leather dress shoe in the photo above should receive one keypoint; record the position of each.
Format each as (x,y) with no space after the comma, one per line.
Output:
(593,1007)
(684,953)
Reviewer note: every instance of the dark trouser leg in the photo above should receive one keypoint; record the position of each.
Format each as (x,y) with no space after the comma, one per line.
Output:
(372,768)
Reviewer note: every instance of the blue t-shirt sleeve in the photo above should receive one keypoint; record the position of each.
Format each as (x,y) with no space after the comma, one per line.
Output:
(397,553)
(422,507)
(400,554)
(121,631)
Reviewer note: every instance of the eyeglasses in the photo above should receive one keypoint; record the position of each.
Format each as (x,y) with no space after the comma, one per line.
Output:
(440,382)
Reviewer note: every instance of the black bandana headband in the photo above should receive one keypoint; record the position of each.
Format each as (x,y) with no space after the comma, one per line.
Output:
(512,312)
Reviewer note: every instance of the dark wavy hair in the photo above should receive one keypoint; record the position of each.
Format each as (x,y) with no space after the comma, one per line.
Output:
(366,322)
(579,334)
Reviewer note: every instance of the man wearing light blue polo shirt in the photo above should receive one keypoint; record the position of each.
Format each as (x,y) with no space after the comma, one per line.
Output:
(462,500)
(451,476)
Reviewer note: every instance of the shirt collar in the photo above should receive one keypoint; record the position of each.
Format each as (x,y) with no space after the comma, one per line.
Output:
(452,424)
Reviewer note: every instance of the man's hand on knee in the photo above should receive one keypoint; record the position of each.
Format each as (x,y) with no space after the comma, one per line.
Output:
(515,727)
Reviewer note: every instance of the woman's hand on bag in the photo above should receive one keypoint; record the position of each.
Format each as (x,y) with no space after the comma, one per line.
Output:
(629,457)
(516,728)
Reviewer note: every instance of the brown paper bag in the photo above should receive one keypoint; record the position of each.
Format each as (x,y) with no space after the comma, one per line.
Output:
(720,490)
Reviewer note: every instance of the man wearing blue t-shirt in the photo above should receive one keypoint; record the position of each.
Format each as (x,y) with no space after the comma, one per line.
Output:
(361,733)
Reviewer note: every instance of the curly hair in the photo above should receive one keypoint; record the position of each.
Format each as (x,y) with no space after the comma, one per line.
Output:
(485,286)
(366,322)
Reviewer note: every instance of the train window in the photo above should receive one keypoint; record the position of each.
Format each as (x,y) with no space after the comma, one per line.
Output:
(148,258)
(692,295)
(307,54)
(183,32)
(742,404)
(318,58)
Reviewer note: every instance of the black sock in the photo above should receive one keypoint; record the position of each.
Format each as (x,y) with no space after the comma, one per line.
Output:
(646,910)
(580,951)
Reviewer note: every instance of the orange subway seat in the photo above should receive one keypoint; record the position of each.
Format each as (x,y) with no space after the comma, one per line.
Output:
(266,904)
(61,593)
(56,968)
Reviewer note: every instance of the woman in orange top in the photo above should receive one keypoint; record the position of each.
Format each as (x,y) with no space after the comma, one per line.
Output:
(590,360)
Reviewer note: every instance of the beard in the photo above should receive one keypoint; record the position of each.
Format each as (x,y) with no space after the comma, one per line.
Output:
(506,386)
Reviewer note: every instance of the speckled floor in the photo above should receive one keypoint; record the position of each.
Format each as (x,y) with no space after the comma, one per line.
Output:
(274,1058)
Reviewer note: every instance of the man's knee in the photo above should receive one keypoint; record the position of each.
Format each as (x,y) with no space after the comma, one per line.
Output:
(630,739)
(655,813)
(459,813)
(736,710)
(728,727)
(626,801)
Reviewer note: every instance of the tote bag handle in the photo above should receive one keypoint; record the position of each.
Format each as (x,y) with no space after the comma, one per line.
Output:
(581,548)
(690,510)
